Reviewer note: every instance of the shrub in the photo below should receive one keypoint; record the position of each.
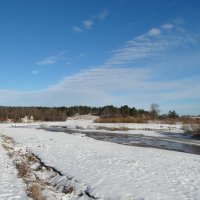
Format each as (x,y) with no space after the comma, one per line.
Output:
(35,192)
(120,120)
(22,169)
(113,128)
(194,129)
(169,121)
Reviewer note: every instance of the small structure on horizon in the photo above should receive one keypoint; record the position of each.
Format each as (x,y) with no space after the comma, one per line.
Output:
(27,119)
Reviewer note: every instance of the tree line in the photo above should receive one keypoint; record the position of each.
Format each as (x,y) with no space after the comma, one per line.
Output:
(61,113)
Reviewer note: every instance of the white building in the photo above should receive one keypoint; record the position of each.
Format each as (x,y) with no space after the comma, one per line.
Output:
(27,119)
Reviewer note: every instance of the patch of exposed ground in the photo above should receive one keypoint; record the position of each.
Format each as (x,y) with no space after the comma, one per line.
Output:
(43,181)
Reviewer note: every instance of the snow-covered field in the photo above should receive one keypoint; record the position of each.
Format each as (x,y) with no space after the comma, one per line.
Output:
(86,123)
(146,129)
(11,187)
(111,171)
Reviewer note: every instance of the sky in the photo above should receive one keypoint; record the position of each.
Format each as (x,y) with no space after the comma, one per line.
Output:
(101,52)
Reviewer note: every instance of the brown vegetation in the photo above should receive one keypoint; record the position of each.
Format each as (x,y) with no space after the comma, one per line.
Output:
(193,129)
(30,158)
(15,114)
(190,120)
(22,169)
(170,121)
(113,128)
(166,120)
(121,120)
(191,126)
(35,192)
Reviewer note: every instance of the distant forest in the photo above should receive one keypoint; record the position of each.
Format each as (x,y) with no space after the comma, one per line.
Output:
(61,113)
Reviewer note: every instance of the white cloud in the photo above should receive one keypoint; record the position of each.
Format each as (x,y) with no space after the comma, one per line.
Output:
(87,24)
(89,87)
(151,43)
(102,86)
(99,79)
(47,61)
(154,32)
(105,85)
(52,59)
(135,49)
(77,29)
(167,26)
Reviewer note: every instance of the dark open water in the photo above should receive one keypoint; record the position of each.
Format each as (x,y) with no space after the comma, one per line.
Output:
(182,144)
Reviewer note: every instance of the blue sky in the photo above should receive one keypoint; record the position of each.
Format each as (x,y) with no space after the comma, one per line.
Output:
(101,52)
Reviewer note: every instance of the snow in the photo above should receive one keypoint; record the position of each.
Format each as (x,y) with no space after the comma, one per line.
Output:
(114,171)
(11,187)
(145,129)
(89,124)
(86,123)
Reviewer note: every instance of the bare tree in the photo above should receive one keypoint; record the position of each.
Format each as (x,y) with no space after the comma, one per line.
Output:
(154,110)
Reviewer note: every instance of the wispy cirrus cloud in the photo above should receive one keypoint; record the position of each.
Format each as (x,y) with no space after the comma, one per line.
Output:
(151,43)
(167,26)
(117,84)
(88,23)
(135,87)
(154,32)
(52,59)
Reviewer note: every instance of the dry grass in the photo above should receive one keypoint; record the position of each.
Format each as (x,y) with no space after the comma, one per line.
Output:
(120,120)
(113,128)
(30,157)
(185,120)
(8,140)
(190,121)
(9,149)
(6,147)
(22,164)
(169,121)
(193,129)
(11,154)
(35,192)
(179,120)
(192,126)
(22,169)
